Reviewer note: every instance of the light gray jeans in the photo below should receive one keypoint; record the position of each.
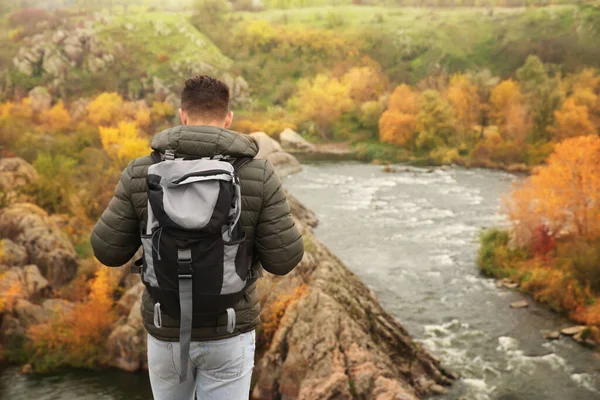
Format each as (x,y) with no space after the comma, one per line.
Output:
(217,370)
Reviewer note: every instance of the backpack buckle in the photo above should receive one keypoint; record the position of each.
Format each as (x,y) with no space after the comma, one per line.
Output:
(184,264)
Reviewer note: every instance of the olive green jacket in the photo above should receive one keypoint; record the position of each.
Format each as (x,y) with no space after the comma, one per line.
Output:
(270,230)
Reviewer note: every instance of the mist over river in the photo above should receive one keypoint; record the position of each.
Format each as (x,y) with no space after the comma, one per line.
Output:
(412,237)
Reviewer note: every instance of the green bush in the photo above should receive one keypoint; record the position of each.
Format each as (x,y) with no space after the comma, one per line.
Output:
(496,259)
(582,258)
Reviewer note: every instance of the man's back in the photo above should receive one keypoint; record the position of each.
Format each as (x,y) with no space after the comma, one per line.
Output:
(275,242)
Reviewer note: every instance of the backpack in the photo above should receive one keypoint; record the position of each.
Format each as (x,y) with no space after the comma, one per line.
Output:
(196,263)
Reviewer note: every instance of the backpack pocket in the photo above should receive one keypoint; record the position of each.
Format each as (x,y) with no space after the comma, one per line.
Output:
(235,265)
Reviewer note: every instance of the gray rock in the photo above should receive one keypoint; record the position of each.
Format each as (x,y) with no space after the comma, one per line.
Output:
(268,148)
(573,330)
(554,335)
(292,141)
(57,305)
(54,64)
(47,246)
(12,254)
(41,100)
(30,314)
(59,36)
(130,297)
(519,304)
(160,89)
(16,172)
(24,282)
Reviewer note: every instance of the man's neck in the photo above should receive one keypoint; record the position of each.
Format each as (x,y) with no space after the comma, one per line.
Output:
(206,123)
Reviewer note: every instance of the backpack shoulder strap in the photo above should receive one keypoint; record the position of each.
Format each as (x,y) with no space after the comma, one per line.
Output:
(156,157)
(240,162)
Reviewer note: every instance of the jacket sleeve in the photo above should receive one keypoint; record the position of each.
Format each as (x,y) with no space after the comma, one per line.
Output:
(278,242)
(116,237)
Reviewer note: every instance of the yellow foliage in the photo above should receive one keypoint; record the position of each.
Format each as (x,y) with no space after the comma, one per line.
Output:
(564,195)
(322,100)
(464,98)
(364,83)
(56,118)
(503,97)
(123,143)
(161,111)
(105,109)
(142,118)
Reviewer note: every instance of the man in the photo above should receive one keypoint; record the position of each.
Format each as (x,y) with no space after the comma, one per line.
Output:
(220,361)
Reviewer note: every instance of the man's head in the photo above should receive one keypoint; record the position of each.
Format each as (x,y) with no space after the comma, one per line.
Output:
(205,101)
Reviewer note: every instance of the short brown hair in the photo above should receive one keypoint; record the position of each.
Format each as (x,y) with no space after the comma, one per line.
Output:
(205,97)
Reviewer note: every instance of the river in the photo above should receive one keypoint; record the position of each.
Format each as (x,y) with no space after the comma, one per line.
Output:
(412,237)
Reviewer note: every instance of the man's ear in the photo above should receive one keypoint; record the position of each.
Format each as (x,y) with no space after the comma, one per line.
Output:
(229,119)
(183,115)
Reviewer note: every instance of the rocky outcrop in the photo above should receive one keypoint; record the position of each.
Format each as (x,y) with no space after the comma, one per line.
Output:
(40,98)
(357,351)
(54,52)
(12,254)
(47,247)
(285,163)
(16,172)
(22,282)
(126,346)
(291,141)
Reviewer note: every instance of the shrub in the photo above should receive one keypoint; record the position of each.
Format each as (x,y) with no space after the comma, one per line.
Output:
(76,338)
(162,58)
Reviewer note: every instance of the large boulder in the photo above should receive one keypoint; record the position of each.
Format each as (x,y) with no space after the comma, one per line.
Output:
(285,164)
(332,339)
(23,283)
(126,344)
(292,141)
(30,314)
(15,172)
(47,246)
(12,254)
(41,100)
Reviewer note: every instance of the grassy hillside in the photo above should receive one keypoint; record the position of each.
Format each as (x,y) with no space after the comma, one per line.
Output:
(412,43)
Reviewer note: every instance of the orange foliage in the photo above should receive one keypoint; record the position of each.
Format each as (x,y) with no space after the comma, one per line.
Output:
(564,195)
(397,128)
(57,118)
(397,125)
(76,337)
(573,120)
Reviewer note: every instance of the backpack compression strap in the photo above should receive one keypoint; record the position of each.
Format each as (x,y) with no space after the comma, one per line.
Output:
(184,273)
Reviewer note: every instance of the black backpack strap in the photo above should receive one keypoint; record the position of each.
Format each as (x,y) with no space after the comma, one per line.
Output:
(240,162)
(156,157)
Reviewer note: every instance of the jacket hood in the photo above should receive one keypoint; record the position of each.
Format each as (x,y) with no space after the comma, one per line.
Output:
(204,141)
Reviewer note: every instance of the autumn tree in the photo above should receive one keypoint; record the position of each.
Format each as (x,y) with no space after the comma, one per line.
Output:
(564,195)
(509,112)
(573,120)
(464,98)
(364,83)
(123,144)
(56,118)
(398,124)
(322,100)
(105,109)
(435,121)
(543,94)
